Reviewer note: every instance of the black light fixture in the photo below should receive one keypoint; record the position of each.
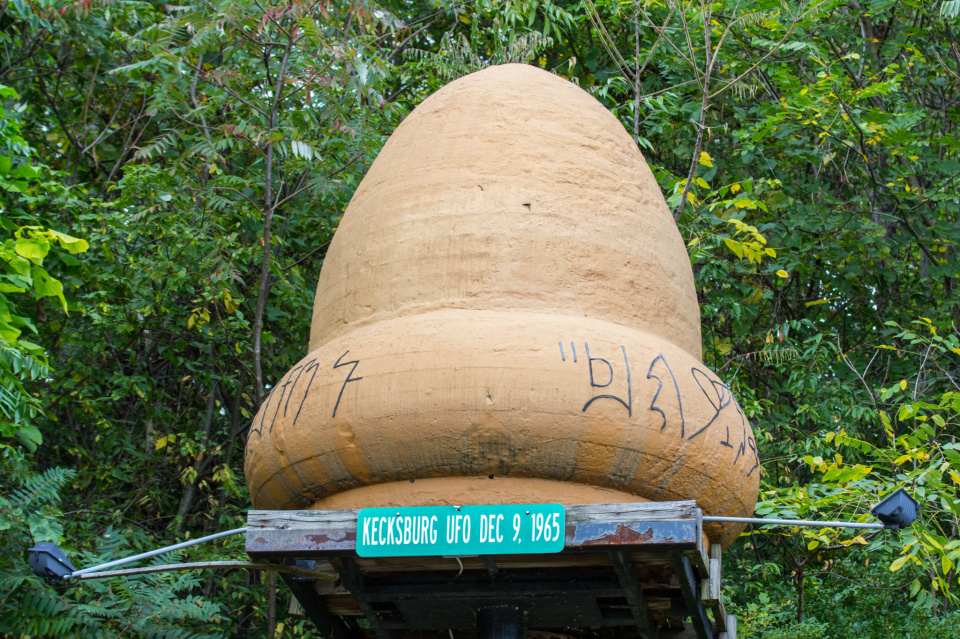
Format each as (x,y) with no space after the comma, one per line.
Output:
(897,511)
(49,562)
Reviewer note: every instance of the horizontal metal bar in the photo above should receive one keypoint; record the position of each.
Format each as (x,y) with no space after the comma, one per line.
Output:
(200,565)
(158,551)
(795,522)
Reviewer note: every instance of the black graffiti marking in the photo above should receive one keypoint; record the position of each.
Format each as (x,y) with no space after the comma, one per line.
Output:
(721,391)
(743,422)
(742,448)
(591,360)
(263,414)
(753,446)
(653,403)
(627,404)
(562,356)
(283,389)
(315,366)
(300,368)
(346,381)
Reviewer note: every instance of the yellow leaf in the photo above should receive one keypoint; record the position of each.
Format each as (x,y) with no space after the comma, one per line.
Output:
(783,273)
(903,384)
(703,183)
(161,443)
(813,544)
(770,252)
(464,18)
(734,188)
(191,321)
(898,564)
(705,159)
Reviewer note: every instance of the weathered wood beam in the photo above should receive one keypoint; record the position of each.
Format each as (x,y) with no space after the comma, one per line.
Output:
(691,591)
(480,591)
(634,594)
(710,592)
(352,579)
(329,625)
(334,532)
(731,632)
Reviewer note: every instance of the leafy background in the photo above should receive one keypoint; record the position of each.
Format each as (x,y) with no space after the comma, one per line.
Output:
(170,176)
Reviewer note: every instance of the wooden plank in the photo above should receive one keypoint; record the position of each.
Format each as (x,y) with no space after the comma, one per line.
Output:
(638,511)
(691,591)
(315,608)
(295,609)
(731,632)
(710,588)
(679,534)
(482,591)
(575,513)
(634,594)
(441,565)
(353,580)
(291,519)
(333,532)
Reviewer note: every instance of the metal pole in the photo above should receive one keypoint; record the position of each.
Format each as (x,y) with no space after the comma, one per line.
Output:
(796,522)
(159,551)
(500,622)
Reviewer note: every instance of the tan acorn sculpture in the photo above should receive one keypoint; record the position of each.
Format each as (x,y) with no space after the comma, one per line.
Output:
(506,314)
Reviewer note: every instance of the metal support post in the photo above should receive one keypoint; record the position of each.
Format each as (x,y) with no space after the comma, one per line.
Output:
(500,622)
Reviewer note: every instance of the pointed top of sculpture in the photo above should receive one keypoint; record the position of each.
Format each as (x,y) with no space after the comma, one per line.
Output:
(509,189)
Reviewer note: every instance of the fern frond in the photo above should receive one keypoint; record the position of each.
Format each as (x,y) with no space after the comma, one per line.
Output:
(42,488)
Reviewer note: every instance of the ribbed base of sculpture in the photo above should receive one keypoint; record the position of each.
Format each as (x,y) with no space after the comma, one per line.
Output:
(468,491)
(465,491)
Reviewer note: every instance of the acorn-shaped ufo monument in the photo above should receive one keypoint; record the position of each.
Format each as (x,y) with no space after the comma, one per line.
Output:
(506,314)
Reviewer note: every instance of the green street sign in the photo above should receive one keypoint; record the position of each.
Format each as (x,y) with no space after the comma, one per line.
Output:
(460,531)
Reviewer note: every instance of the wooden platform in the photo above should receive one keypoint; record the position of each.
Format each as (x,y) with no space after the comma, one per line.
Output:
(626,569)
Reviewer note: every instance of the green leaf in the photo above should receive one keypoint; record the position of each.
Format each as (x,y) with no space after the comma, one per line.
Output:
(29,437)
(33,249)
(47,286)
(44,529)
(72,244)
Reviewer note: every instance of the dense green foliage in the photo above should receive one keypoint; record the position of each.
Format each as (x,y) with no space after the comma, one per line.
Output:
(170,176)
